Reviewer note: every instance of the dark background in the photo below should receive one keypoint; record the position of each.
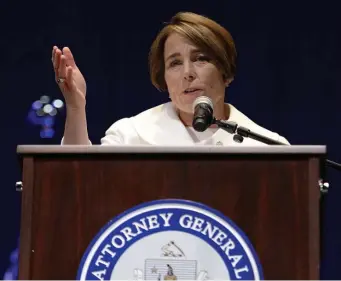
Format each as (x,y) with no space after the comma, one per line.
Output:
(288,78)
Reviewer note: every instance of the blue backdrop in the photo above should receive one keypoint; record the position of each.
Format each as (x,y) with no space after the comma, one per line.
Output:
(288,78)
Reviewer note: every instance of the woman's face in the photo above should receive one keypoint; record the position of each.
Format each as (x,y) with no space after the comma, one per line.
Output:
(190,73)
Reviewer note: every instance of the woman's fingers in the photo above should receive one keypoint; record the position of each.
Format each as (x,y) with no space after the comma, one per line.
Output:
(56,62)
(54,49)
(53,52)
(62,67)
(69,57)
(69,78)
(62,59)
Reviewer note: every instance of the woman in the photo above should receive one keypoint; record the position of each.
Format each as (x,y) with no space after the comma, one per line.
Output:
(192,56)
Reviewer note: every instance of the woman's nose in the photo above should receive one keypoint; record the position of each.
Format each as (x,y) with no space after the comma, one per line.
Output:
(189,71)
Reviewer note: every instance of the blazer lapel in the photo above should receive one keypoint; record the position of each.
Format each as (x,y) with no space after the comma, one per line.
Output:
(162,126)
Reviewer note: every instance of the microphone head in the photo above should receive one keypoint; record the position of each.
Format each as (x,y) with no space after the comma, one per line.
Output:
(203,113)
(202,100)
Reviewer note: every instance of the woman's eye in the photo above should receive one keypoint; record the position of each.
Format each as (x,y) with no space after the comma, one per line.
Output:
(203,58)
(174,63)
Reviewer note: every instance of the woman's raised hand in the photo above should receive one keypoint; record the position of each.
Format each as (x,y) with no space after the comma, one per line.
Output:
(69,78)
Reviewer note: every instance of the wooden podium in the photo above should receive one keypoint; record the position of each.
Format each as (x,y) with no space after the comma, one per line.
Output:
(70,192)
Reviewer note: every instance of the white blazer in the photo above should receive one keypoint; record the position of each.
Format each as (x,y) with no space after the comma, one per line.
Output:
(161,125)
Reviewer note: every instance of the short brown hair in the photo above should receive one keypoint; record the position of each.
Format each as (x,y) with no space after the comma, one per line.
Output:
(205,33)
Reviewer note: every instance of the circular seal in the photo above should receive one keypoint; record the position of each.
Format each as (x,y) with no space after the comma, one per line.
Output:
(170,240)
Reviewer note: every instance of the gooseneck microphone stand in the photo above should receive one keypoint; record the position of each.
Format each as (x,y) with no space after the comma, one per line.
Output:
(242,132)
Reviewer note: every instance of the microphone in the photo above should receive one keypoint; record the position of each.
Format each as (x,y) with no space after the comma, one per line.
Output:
(203,113)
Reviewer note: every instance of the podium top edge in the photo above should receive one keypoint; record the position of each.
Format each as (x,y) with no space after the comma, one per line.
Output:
(121,149)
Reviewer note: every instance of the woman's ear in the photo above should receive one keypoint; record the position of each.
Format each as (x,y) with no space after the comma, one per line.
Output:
(228,82)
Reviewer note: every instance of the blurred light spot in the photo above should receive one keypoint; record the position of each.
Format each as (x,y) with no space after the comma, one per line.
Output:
(32,116)
(47,133)
(44,99)
(12,272)
(43,112)
(37,105)
(53,112)
(58,103)
(40,112)
(48,121)
(48,108)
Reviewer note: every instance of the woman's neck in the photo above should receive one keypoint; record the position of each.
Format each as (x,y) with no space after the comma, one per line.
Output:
(221,112)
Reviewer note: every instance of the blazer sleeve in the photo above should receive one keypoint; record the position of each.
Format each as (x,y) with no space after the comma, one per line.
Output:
(283,140)
(113,135)
(119,133)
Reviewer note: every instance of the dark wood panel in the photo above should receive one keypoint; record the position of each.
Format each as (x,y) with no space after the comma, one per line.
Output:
(274,201)
(314,218)
(25,250)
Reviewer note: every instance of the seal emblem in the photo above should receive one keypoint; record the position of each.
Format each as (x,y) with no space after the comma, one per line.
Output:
(170,240)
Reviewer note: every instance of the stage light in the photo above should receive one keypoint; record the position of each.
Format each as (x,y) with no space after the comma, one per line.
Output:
(47,108)
(43,112)
(44,99)
(58,104)
(37,105)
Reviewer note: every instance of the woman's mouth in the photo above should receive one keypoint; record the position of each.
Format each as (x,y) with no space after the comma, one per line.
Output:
(191,91)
